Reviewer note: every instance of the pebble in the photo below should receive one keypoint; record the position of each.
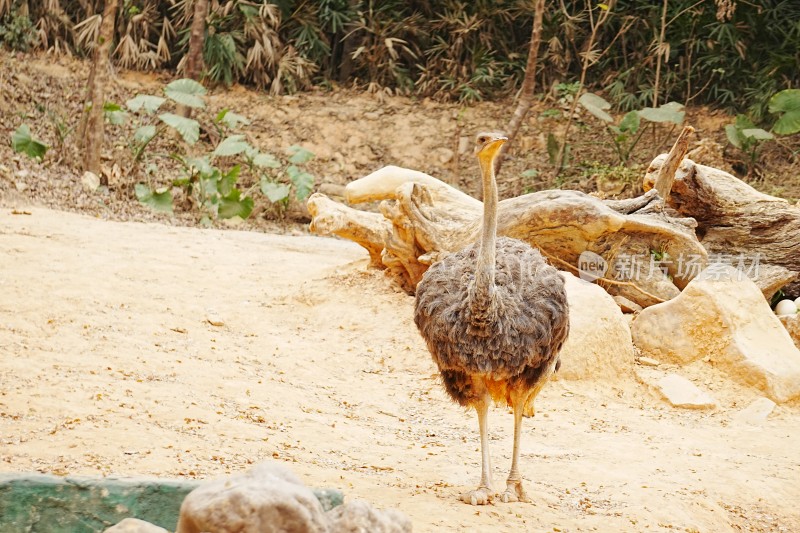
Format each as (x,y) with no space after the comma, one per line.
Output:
(647,361)
(214,319)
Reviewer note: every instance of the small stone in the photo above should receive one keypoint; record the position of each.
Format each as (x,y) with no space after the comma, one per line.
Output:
(626,305)
(214,319)
(134,525)
(647,361)
(21,186)
(372,115)
(680,392)
(445,155)
(332,189)
(757,412)
(90,181)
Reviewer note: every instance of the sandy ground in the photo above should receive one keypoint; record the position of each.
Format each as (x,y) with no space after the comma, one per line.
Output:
(109,366)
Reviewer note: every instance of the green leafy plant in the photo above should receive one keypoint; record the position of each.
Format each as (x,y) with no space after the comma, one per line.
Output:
(211,177)
(628,131)
(745,136)
(17,32)
(22,141)
(279,185)
(786,104)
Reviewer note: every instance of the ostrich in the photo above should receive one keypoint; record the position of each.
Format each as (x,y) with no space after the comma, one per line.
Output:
(494,316)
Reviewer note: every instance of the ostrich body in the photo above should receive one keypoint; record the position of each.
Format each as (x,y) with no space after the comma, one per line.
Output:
(494,316)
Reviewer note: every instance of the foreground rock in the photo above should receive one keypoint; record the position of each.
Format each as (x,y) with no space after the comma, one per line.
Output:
(721,315)
(599,345)
(757,412)
(269,498)
(680,392)
(134,525)
(792,325)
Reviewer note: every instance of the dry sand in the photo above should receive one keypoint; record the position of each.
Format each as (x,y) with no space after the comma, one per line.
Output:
(110,365)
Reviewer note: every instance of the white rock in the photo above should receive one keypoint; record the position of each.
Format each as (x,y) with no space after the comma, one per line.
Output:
(599,345)
(134,525)
(722,315)
(757,412)
(90,181)
(21,186)
(786,307)
(648,361)
(680,392)
(213,318)
(267,498)
(792,325)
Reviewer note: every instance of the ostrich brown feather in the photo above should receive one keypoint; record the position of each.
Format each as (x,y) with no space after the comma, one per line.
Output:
(494,316)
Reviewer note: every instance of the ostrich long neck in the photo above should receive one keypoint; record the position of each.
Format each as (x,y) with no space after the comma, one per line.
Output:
(484,272)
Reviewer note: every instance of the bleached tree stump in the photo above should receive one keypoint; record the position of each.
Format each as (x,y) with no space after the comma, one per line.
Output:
(428,218)
(735,222)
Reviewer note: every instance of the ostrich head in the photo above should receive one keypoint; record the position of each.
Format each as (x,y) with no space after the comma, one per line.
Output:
(487,145)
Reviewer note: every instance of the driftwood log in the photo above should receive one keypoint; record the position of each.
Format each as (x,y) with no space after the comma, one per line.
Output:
(422,217)
(737,224)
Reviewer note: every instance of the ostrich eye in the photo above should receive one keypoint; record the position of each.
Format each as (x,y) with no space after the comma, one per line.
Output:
(481,140)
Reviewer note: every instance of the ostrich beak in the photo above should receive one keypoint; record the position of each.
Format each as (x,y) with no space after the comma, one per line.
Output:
(491,148)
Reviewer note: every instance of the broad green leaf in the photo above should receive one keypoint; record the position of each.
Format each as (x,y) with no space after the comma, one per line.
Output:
(23,142)
(669,112)
(530,173)
(144,134)
(114,113)
(159,200)
(266,161)
(758,134)
(788,124)
(235,144)
(300,155)
(150,104)
(596,106)
(187,92)
(275,192)
(785,101)
(201,164)
(227,182)
(732,133)
(604,7)
(630,122)
(303,181)
(743,122)
(549,113)
(233,205)
(187,127)
(231,119)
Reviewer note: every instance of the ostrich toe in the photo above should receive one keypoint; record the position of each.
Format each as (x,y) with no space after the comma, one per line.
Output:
(514,492)
(480,496)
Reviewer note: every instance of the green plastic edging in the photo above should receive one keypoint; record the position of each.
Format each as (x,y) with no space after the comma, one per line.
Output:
(49,504)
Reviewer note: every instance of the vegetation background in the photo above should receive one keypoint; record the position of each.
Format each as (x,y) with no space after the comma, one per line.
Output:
(713,56)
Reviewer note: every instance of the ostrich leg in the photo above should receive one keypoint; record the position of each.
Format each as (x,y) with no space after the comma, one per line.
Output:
(485,492)
(514,490)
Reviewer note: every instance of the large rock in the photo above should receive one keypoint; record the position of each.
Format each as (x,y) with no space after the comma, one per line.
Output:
(792,325)
(269,498)
(722,315)
(265,499)
(134,525)
(599,345)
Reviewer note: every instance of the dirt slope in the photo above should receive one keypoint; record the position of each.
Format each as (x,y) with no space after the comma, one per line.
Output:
(109,365)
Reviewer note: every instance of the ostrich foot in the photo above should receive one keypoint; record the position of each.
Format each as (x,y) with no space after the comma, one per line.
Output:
(514,492)
(481,496)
